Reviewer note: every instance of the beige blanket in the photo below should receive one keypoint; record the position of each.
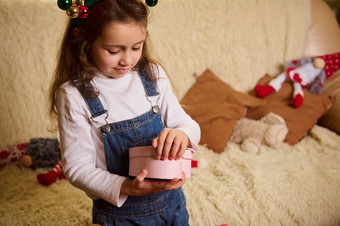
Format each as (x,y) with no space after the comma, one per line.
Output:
(295,185)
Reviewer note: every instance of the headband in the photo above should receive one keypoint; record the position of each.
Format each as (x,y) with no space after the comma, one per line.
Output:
(78,8)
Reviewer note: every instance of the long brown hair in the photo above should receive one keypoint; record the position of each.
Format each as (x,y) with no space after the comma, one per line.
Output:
(74,60)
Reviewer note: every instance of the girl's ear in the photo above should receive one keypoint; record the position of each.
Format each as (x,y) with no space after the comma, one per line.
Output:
(75,32)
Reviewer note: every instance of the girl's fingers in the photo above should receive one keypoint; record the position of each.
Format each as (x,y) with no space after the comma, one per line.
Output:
(154,144)
(168,144)
(164,142)
(180,152)
(176,151)
(175,183)
(160,141)
(141,176)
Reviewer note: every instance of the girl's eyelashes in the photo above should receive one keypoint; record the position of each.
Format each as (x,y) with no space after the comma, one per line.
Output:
(113,52)
(116,52)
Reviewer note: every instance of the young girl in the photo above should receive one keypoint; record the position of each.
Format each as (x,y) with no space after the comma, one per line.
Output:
(110,96)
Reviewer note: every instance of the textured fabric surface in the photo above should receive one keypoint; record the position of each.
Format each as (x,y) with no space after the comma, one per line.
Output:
(30,34)
(292,185)
(26,202)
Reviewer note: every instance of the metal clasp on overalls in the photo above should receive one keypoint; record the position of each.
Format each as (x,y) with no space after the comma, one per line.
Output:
(155,108)
(105,128)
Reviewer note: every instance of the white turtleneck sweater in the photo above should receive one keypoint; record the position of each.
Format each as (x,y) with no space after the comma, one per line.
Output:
(81,142)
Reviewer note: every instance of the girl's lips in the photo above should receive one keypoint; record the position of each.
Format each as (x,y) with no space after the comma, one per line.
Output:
(122,70)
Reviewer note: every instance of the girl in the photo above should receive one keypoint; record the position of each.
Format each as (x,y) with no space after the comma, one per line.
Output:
(109,96)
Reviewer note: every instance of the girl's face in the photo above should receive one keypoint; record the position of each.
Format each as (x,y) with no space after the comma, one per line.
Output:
(119,48)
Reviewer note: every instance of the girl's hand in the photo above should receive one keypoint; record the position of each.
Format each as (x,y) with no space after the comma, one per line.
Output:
(170,144)
(141,186)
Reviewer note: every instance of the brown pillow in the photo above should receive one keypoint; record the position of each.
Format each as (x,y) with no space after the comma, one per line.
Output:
(216,107)
(299,120)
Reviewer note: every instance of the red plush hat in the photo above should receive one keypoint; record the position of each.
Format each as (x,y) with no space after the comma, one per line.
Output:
(332,63)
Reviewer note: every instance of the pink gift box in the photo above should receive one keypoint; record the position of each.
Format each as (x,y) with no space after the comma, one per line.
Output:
(144,158)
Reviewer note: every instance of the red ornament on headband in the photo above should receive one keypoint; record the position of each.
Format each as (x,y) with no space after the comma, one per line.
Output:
(77,8)
(83,11)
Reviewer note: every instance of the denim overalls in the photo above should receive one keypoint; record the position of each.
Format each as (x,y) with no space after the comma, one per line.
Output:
(158,209)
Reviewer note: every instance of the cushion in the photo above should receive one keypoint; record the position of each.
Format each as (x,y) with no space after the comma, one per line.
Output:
(331,119)
(299,120)
(216,107)
(323,35)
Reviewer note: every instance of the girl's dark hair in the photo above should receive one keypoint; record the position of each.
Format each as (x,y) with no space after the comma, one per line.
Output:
(74,60)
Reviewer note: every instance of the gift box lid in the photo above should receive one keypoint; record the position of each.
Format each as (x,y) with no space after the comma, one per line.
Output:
(149,151)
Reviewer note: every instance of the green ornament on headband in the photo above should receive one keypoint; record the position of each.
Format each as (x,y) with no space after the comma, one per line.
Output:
(151,3)
(80,8)
(76,8)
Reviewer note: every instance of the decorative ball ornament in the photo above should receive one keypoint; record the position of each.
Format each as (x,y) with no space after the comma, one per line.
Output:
(83,11)
(77,8)
(151,3)
(73,12)
(64,4)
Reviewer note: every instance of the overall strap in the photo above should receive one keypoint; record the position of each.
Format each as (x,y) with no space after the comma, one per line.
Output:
(95,106)
(149,85)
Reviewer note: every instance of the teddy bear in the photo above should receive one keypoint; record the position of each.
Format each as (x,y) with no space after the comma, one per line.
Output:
(308,73)
(270,130)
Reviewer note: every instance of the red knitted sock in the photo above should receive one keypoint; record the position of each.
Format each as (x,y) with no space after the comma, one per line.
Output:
(50,177)
(61,175)
(263,91)
(298,100)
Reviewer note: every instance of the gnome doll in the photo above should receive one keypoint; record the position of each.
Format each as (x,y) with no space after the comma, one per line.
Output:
(308,73)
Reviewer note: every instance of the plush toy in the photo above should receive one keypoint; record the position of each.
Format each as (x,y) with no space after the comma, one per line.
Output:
(308,73)
(47,155)
(44,152)
(15,155)
(270,130)
(37,153)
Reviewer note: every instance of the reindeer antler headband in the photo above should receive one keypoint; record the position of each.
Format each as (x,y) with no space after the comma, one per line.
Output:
(78,8)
